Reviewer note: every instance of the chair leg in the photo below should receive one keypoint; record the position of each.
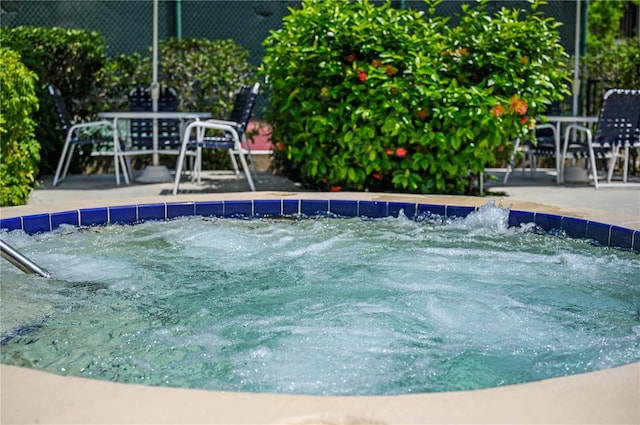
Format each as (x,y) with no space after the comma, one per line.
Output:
(612,162)
(625,170)
(198,166)
(592,161)
(62,162)
(516,145)
(176,182)
(247,172)
(181,155)
(234,162)
(125,166)
(253,163)
(533,161)
(116,165)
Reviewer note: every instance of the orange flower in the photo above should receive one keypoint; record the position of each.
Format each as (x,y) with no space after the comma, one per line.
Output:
(376,63)
(362,75)
(351,58)
(377,176)
(518,105)
(524,60)
(422,114)
(497,111)
(389,151)
(390,70)
(280,145)
(336,188)
(462,51)
(401,152)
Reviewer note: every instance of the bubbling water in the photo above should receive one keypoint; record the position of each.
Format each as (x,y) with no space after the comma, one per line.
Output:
(321,306)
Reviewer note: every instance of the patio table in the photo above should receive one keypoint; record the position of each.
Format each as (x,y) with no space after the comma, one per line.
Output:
(559,120)
(155,172)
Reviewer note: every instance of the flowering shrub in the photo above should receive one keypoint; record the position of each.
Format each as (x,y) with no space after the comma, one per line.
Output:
(19,150)
(365,97)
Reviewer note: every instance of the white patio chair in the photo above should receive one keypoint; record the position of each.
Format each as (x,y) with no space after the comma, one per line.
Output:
(83,134)
(230,135)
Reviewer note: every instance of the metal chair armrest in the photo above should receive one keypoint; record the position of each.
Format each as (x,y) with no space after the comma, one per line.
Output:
(84,125)
(234,124)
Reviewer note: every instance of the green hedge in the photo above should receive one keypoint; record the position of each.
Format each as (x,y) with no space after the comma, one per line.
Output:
(375,98)
(206,74)
(64,57)
(19,153)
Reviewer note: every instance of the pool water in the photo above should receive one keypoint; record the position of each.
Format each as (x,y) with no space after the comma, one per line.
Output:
(320,306)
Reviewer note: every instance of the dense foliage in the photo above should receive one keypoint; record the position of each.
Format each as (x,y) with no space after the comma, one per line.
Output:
(376,98)
(64,57)
(611,59)
(19,150)
(206,75)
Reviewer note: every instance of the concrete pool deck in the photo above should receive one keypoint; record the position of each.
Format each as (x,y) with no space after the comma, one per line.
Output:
(608,396)
(618,205)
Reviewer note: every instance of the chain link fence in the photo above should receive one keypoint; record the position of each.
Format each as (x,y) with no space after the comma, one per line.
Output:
(127,25)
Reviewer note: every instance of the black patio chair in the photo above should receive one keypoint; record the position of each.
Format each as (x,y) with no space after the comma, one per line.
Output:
(141,130)
(230,135)
(617,131)
(99,135)
(543,145)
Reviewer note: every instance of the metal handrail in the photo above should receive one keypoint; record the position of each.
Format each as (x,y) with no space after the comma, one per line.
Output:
(20,261)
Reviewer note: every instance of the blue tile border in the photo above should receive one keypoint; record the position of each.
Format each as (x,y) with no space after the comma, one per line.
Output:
(238,209)
(37,223)
(267,208)
(601,233)
(313,207)
(548,222)
(210,209)
(432,209)
(184,209)
(94,216)
(66,217)
(373,209)
(343,208)
(150,212)
(10,224)
(126,214)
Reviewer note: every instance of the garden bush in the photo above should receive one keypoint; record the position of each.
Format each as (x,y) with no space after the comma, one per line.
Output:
(20,152)
(612,59)
(376,98)
(68,58)
(206,74)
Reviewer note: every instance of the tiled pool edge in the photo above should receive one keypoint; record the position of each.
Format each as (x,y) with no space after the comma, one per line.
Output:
(608,235)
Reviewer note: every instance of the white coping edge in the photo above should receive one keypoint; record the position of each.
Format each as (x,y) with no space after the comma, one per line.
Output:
(608,396)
